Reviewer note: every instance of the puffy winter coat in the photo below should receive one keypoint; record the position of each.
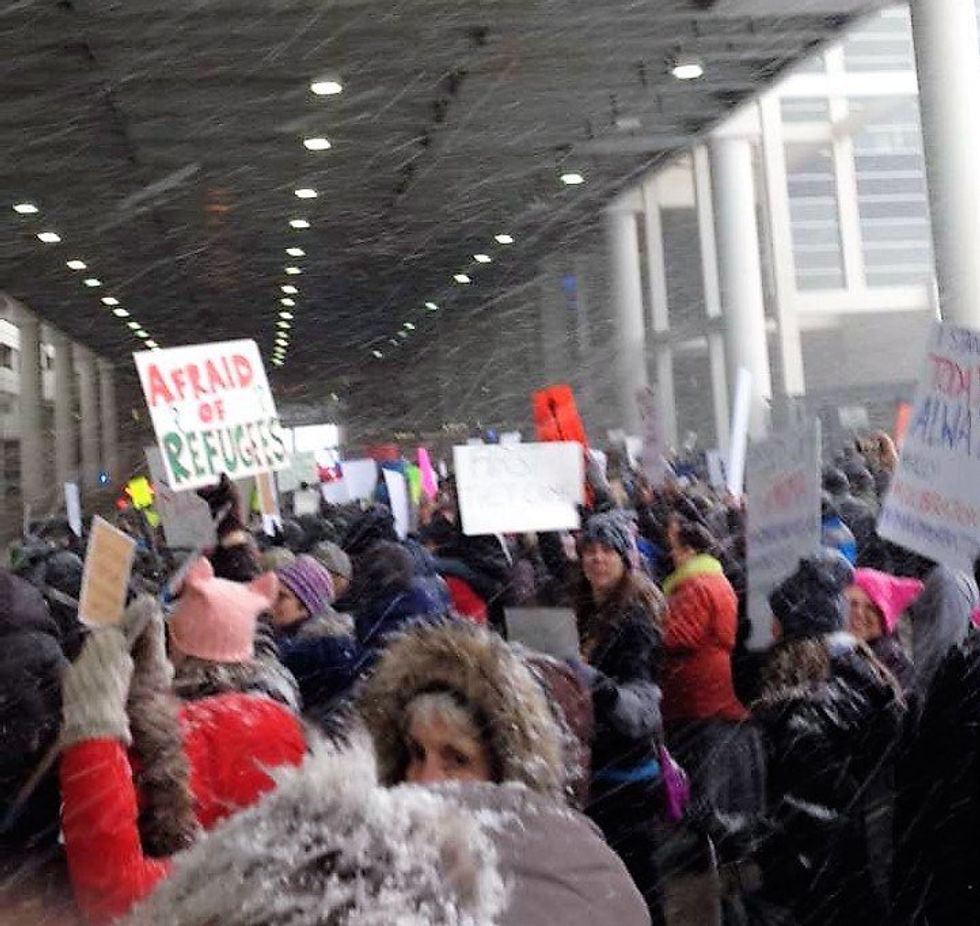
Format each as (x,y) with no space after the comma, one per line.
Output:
(231,742)
(699,637)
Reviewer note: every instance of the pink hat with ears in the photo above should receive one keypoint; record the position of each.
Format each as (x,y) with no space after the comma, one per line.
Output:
(890,594)
(215,619)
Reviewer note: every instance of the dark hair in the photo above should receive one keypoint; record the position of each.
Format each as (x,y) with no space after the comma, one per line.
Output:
(695,537)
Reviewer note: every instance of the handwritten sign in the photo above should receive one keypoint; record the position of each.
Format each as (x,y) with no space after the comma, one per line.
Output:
(400,504)
(361,477)
(783,524)
(511,488)
(213,412)
(933,506)
(105,578)
(185,516)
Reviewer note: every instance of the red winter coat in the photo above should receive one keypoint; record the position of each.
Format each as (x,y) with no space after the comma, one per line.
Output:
(699,636)
(230,740)
(466,602)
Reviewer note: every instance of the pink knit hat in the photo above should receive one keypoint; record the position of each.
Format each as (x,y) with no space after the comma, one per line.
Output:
(215,619)
(891,595)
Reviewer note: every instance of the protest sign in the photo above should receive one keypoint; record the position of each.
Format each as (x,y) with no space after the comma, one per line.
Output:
(740,433)
(512,488)
(306,501)
(73,508)
(361,477)
(783,525)
(655,467)
(511,437)
(398,496)
(212,411)
(553,631)
(265,488)
(933,505)
(302,468)
(185,516)
(105,578)
(430,484)
(556,416)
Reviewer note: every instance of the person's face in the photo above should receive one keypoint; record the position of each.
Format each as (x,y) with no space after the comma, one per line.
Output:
(864,616)
(439,752)
(287,610)
(603,567)
(340,584)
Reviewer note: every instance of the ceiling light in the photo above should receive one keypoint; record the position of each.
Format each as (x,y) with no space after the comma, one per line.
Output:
(151,344)
(572,179)
(482,258)
(298,223)
(462,278)
(26,209)
(110,300)
(92,283)
(403,334)
(687,67)
(316,144)
(504,239)
(140,333)
(296,252)
(133,325)
(327,87)
(281,343)
(377,353)
(286,315)
(432,307)
(306,193)
(49,237)
(289,290)
(409,326)
(293,271)
(77,265)
(120,313)
(276,363)
(288,303)
(284,325)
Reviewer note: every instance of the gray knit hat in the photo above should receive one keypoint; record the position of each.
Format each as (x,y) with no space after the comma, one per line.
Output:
(335,560)
(612,529)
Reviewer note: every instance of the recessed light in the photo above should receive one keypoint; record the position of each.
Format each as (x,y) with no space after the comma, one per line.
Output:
(282,342)
(133,325)
(293,271)
(306,193)
(276,363)
(403,334)
(432,307)
(377,353)
(26,209)
(572,179)
(298,223)
(462,278)
(77,265)
(289,290)
(288,303)
(316,144)
(140,333)
(688,67)
(394,342)
(120,313)
(409,326)
(110,300)
(327,87)
(296,252)
(284,325)
(504,239)
(49,237)
(286,315)
(482,258)
(151,344)
(92,283)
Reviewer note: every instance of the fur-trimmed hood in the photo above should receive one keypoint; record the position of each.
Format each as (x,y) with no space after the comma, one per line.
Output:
(484,670)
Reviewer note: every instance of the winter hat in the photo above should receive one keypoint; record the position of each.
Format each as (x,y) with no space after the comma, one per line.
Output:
(333,559)
(215,619)
(275,558)
(891,595)
(811,603)
(310,582)
(611,529)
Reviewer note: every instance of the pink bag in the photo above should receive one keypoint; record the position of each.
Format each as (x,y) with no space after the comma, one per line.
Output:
(677,787)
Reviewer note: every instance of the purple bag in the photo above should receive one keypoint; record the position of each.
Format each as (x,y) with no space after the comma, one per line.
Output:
(677,787)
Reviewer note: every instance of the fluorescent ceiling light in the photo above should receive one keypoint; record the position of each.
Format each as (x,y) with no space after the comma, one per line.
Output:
(462,278)
(409,326)
(316,144)
(26,209)
(284,325)
(49,237)
(688,68)
(432,307)
(77,265)
(110,300)
(151,344)
(503,239)
(133,325)
(140,333)
(286,315)
(296,252)
(306,193)
(92,283)
(293,271)
(327,87)
(120,313)
(482,258)
(289,290)
(298,223)
(377,353)
(288,303)
(572,179)
(403,334)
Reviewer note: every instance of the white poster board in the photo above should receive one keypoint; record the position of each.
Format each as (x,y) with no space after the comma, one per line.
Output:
(553,631)
(73,508)
(400,505)
(213,412)
(302,468)
(306,501)
(361,477)
(184,516)
(740,433)
(783,523)
(655,467)
(933,506)
(513,488)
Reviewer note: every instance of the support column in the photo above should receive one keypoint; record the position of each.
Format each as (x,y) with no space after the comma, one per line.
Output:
(627,300)
(946,51)
(65,433)
(660,308)
(554,332)
(110,430)
(740,272)
(89,408)
(32,485)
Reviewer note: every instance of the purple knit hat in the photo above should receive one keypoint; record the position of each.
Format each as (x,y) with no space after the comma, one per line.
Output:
(310,582)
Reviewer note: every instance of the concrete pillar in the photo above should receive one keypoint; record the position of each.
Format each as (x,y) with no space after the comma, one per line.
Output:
(34,492)
(627,300)
(89,408)
(946,50)
(109,420)
(740,272)
(65,431)
(554,331)
(660,310)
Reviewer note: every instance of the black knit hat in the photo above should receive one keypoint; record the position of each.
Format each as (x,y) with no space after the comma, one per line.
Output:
(811,603)
(611,529)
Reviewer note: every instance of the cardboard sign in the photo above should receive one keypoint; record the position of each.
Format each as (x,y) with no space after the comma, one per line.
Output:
(556,416)
(508,489)
(654,445)
(213,412)
(783,517)
(553,631)
(105,578)
(933,505)
(361,477)
(185,516)
(400,506)
(73,508)
(740,433)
